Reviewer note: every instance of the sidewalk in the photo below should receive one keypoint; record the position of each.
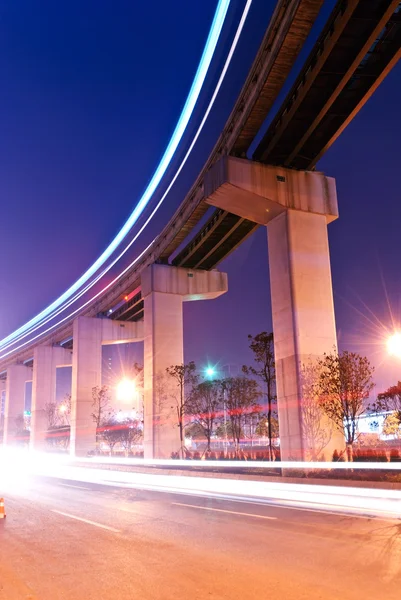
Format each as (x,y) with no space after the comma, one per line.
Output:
(249,473)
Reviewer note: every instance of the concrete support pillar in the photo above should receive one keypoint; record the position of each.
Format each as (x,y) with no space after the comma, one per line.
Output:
(296,207)
(17,376)
(2,406)
(89,335)
(163,347)
(46,359)
(303,322)
(164,289)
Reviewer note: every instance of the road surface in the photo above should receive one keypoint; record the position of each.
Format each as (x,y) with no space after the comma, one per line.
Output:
(68,540)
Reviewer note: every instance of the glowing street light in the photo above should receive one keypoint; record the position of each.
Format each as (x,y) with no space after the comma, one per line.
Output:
(394,344)
(210,372)
(126,390)
(62,408)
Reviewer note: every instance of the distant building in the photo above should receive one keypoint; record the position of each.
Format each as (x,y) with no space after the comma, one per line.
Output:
(373,423)
(231,371)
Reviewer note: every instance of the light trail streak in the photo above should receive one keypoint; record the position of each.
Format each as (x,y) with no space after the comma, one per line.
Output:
(76,311)
(16,468)
(200,76)
(235,464)
(359,500)
(115,260)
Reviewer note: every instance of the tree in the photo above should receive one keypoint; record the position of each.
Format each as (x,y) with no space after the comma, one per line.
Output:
(251,422)
(185,379)
(262,347)
(241,395)
(131,433)
(65,409)
(262,428)
(392,425)
(58,437)
(58,424)
(162,399)
(110,432)
(390,400)
(21,433)
(19,424)
(101,404)
(203,405)
(102,411)
(225,430)
(316,433)
(137,375)
(52,415)
(345,383)
(195,432)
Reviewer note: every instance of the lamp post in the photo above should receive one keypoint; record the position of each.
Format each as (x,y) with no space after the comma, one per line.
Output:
(225,418)
(210,373)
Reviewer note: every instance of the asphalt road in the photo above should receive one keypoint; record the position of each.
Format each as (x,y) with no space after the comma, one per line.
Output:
(64,540)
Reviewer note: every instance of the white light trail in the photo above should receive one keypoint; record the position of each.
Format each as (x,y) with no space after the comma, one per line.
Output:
(203,67)
(359,500)
(76,311)
(5,346)
(284,464)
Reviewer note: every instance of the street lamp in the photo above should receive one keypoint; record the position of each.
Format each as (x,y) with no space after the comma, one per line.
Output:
(394,344)
(64,410)
(126,390)
(210,372)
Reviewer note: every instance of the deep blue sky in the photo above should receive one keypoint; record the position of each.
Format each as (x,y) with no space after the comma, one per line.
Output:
(91,91)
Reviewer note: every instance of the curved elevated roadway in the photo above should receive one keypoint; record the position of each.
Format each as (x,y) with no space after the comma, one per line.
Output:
(357,48)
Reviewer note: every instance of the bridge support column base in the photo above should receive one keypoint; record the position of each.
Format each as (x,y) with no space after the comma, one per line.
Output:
(304,329)
(89,335)
(46,360)
(296,207)
(164,289)
(2,407)
(17,376)
(163,347)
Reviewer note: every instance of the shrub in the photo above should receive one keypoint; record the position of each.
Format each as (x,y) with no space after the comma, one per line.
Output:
(381,455)
(337,457)
(362,455)
(395,456)
(370,455)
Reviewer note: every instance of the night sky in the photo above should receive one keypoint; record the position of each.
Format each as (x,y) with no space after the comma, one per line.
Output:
(91,91)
